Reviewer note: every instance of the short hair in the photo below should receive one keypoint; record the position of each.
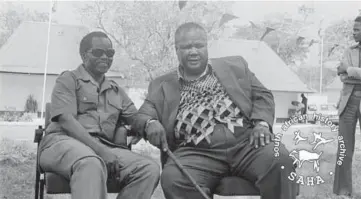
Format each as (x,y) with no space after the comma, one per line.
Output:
(86,41)
(186,27)
(358,19)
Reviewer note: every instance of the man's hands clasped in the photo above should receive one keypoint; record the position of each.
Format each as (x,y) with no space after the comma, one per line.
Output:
(260,135)
(156,135)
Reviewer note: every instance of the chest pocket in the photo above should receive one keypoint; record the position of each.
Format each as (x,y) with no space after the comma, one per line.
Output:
(87,97)
(114,103)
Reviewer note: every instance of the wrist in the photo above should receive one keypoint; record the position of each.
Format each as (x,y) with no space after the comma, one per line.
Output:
(147,123)
(261,123)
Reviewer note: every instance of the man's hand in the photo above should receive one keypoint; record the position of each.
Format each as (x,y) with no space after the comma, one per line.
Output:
(260,135)
(342,68)
(112,163)
(156,135)
(343,77)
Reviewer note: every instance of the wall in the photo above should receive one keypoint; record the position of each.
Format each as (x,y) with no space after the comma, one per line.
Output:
(15,88)
(333,95)
(283,102)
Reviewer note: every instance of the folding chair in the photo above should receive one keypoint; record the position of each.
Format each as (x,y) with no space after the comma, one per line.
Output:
(235,186)
(54,183)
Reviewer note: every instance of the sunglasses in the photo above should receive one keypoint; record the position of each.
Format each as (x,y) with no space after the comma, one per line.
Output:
(96,52)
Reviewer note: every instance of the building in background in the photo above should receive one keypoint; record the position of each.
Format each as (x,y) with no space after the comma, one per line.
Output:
(22,62)
(269,68)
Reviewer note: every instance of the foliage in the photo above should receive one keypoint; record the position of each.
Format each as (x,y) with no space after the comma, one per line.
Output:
(17,161)
(10,115)
(340,33)
(16,116)
(145,29)
(12,14)
(31,105)
(283,40)
(311,76)
(287,41)
(28,117)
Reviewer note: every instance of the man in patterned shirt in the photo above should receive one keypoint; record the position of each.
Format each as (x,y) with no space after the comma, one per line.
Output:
(217,118)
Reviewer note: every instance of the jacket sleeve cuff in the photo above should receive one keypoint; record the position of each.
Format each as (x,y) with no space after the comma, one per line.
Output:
(264,123)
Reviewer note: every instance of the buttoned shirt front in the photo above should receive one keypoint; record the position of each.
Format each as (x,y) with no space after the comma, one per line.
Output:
(96,107)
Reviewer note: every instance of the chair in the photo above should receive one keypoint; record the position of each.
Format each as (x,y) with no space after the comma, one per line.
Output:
(235,186)
(54,183)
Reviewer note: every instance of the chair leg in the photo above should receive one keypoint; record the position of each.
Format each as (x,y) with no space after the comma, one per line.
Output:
(42,185)
(37,183)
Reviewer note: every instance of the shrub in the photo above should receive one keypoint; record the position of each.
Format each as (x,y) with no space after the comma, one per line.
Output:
(27,117)
(31,105)
(10,115)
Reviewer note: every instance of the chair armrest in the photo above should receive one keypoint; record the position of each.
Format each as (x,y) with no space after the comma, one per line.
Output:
(38,134)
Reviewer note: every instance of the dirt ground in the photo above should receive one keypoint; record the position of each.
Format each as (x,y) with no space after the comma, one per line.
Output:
(17,161)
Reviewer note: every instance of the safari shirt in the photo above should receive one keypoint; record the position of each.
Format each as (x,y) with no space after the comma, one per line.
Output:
(96,107)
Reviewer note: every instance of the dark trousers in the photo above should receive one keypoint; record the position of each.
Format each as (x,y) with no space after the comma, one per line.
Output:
(347,126)
(229,156)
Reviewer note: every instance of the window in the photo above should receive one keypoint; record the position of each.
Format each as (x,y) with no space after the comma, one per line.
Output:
(312,107)
(324,107)
(328,107)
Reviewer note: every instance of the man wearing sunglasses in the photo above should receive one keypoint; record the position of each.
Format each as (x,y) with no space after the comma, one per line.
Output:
(86,139)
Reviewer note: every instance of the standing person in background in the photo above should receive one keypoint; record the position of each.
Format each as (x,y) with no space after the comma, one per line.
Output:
(349,111)
(304,102)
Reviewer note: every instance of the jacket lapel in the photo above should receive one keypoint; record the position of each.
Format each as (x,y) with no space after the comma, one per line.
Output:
(171,89)
(355,57)
(231,83)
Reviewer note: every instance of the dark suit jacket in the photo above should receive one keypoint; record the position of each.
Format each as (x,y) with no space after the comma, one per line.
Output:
(254,100)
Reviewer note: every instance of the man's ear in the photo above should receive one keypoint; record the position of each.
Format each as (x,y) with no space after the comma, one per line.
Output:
(84,57)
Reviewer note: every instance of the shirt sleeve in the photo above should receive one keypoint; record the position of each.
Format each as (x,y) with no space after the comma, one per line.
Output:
(63,98)
(128,108)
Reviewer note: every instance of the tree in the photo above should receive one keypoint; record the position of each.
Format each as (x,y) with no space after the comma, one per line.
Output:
(145,29)
(311,76)
(338,36)
(31,105)
(11,16)
(284,40)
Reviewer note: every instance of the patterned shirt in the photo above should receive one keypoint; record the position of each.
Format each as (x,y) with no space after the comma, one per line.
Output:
(204,103)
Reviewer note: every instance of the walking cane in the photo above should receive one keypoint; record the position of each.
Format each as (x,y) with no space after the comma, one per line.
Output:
(171,155)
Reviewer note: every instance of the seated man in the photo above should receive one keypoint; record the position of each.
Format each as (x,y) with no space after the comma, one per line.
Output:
(217,119)
(83,141)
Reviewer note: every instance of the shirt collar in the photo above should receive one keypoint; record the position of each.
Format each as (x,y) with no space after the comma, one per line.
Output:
(84,75)
(205,72)
(356,46)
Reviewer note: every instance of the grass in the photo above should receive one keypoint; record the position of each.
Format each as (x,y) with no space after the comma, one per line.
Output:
(17,161)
